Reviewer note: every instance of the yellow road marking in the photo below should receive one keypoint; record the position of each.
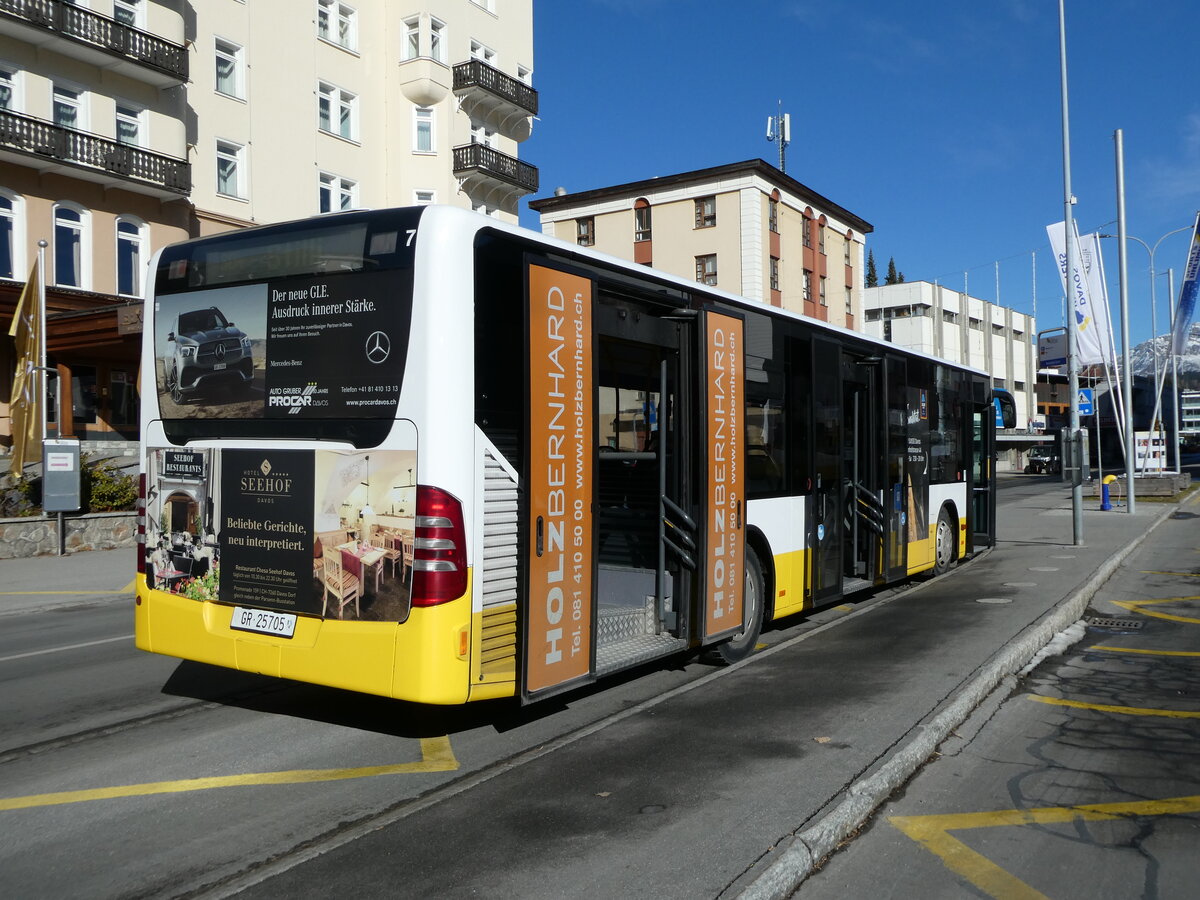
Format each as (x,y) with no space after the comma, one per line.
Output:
(436,756)
(933,833)
(1147,652)
(1137,607)
(1122,710)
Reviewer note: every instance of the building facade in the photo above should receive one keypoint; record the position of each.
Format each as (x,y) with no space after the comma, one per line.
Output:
(746,228)
(126,125)
(952,325)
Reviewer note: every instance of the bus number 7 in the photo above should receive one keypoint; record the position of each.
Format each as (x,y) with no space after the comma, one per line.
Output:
(412,233)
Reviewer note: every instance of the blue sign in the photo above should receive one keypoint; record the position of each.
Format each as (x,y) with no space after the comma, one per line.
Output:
(1086,407)
(999,415)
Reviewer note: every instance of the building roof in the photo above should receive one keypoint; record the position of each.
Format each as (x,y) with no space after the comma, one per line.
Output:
(750,166)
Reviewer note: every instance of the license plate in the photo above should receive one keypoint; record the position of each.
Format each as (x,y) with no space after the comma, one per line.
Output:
(218,366)
(262,621)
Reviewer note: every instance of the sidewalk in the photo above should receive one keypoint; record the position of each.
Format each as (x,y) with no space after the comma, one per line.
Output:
(39,583)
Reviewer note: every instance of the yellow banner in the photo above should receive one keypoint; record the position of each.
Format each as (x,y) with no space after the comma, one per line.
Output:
(724,547)
(561,426)
(25,405)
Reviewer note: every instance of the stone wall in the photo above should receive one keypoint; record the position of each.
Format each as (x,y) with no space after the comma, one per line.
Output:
(38,535)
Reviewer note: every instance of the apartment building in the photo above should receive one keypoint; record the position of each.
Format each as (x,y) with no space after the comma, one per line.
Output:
(297,109)
(746,228)
(952,325)
(129,124)
(93,161)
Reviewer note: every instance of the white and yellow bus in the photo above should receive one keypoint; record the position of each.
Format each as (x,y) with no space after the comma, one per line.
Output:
(422,454)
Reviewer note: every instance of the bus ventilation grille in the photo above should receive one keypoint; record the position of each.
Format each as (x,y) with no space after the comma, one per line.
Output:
(498,647)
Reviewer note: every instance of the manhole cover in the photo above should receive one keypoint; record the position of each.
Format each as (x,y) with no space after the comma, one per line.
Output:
(1108,622)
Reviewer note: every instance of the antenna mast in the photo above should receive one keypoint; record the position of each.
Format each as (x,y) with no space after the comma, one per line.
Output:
(779,129)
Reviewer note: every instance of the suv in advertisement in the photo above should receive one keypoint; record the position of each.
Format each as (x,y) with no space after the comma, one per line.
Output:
(206,347)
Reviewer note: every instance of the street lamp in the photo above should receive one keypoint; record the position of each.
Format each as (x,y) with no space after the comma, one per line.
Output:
(1154,329)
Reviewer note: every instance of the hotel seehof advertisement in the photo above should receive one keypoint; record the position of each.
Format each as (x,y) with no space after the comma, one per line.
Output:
(296,347)
(323,532)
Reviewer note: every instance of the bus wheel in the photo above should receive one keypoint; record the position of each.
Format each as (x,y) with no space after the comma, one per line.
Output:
(945,545)
(738,648)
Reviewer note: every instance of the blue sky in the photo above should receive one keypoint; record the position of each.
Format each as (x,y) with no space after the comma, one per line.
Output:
(937,122)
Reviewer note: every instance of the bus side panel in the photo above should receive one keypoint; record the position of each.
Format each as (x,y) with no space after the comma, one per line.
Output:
(783,522)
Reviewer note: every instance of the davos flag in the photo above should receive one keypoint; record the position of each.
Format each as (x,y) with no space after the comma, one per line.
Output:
(1089,305)
(1187,294)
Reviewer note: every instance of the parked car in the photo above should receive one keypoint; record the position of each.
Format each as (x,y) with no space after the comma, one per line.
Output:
(1043,461)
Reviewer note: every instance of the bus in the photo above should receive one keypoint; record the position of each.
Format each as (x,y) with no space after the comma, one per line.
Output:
(422,454)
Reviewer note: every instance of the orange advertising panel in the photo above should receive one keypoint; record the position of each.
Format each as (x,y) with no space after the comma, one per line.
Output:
(561,421)
(724,542)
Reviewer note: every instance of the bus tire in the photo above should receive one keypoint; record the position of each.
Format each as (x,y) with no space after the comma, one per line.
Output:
(945,547)
(753,597)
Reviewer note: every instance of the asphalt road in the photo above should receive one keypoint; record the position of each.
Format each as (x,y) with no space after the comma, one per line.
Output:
(1081,779)
(129,775)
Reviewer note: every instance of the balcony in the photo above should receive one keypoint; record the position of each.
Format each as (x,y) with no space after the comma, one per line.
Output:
(99,40)
(46,147)
(493,178)
(503,103)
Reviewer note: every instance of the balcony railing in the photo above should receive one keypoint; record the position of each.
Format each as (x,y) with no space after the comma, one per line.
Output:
(491,163)
(103,32)
(477,73)
(38,138)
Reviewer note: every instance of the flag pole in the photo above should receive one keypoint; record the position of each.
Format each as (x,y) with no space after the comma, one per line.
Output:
(44,384)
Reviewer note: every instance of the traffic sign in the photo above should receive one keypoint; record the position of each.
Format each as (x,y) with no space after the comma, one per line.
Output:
(1086,406)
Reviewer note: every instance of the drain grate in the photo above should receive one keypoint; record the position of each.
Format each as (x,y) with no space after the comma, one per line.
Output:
(1107,622)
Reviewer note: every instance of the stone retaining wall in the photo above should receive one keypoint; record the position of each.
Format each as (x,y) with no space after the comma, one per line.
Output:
(38,535)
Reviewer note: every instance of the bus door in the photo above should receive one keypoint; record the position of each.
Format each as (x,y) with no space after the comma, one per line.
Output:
(863,509)
(646,506)
(826,530)
(984,417)
(895,496)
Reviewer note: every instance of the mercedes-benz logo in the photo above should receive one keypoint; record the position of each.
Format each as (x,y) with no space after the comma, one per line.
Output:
(220,351)
(379,347)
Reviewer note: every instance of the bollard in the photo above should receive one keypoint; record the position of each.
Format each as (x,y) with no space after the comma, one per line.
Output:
(1105,505)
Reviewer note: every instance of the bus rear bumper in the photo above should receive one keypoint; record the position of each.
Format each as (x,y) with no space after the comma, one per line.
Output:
(418,660)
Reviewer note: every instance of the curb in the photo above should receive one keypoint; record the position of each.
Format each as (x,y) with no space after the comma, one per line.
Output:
(808,848)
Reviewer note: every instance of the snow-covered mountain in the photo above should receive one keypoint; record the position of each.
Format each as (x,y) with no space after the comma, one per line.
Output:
(1142,357)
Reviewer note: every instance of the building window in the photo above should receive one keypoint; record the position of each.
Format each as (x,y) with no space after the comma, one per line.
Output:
(525,74)
(481,134)
(229,69)
(641,223)
(483,52)
(821,288)
(806,231)
(489,5)
(774,273)
(808,286)
(849,302)
(8,88)
(585,232)
(130,256)
(412,39)
(846,250)
(773,214)
(706,212)
(821,238)
(127,12)
(129,125)
(951,317)
(706,269)
(423,130)
(335,193)
(424,198)
(336,111)
(437,40)
(9,208)
(337,23)
(229,165)
(70,250)
(68,107)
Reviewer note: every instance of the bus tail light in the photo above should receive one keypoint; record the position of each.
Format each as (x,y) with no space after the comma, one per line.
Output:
(141,524)
(439,548)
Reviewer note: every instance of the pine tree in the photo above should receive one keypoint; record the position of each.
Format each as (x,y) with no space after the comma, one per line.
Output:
(872,276)
(899,278)
(891,272)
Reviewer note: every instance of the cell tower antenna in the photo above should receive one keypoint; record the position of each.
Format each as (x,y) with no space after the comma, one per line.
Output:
(779,130)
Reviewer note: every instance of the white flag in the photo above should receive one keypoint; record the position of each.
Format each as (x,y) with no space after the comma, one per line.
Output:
(1089,313)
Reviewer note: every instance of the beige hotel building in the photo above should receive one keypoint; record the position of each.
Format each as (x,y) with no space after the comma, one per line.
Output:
(129,124)
(746,228)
